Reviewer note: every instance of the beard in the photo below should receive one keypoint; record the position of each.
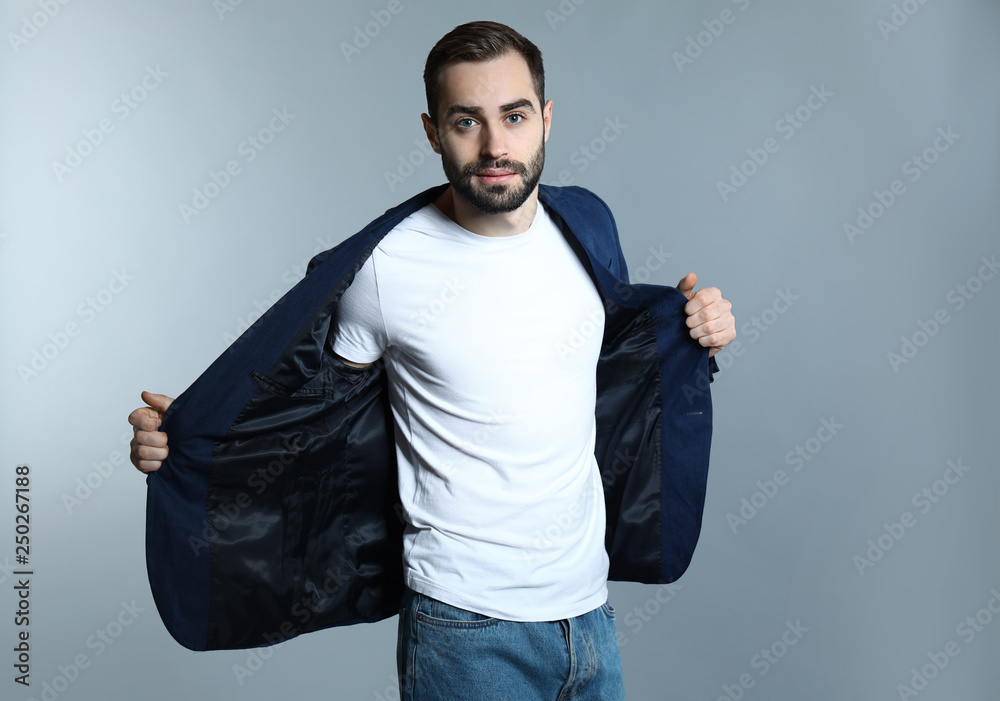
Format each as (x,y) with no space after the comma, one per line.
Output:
(499,198)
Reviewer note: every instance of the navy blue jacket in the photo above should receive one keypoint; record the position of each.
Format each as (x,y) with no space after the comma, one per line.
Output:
(277,512)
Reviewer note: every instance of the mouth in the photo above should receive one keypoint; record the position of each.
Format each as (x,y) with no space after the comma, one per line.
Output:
(494,176)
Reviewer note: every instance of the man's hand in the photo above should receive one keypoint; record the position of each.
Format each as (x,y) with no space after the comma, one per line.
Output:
(149,446)
(710,317)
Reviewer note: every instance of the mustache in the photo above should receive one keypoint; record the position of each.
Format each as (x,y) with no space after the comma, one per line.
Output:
(513,166)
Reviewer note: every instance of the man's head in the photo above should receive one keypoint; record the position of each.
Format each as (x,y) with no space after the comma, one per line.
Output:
(478,42)
(485,86)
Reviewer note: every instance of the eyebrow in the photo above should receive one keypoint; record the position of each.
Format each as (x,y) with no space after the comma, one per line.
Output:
(472,109)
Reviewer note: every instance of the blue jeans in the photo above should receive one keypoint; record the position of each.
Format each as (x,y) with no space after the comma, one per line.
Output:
(446,653)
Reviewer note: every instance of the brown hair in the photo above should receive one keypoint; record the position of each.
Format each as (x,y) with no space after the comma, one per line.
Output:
(479,41)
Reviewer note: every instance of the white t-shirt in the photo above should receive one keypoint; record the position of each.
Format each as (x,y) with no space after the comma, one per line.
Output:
(490,347)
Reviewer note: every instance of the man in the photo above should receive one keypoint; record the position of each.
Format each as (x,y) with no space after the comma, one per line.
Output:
(491,316)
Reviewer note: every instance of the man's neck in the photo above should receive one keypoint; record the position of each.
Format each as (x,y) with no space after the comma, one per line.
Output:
(470,218)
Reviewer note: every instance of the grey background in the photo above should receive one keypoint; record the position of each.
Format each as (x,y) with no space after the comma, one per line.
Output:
(324,176)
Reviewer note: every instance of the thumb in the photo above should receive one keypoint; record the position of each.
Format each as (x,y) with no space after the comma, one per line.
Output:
(159,402)
(686,285)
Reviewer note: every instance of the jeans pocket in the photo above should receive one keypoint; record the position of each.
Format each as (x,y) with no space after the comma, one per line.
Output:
(438,614)
(608,610)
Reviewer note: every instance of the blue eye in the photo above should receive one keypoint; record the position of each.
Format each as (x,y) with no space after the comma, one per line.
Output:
(465,123)
(519,117)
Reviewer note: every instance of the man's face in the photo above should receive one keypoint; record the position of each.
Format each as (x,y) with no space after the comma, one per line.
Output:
(491,132)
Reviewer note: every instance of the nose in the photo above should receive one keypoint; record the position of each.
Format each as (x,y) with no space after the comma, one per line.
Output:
(494,145)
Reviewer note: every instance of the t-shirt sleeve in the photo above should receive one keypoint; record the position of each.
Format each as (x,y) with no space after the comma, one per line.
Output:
(358,331)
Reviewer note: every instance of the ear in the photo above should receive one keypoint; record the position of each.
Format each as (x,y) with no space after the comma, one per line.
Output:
(547,118)
(431,132)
